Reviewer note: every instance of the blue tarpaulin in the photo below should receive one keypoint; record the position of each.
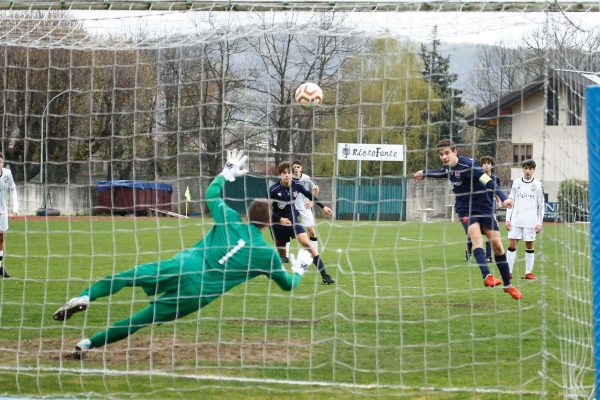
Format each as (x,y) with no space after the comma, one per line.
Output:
(142,185)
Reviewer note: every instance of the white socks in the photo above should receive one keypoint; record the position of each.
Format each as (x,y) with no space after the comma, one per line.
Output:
(511,256)
(529,260)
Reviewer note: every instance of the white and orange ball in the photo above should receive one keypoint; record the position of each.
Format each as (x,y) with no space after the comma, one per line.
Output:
(309,95)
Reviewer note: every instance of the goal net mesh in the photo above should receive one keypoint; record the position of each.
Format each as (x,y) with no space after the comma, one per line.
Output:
(119,119)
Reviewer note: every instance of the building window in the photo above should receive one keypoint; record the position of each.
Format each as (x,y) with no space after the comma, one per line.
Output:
(574,110)
(522,152)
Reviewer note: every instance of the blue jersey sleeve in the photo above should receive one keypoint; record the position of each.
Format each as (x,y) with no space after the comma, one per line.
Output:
(491,184)
(440,173)
(497,190)
(476,172)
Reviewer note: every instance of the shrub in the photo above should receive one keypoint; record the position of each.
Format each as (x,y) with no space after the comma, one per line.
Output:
(574,200)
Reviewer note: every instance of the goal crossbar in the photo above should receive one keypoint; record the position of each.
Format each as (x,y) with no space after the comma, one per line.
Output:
(301,5)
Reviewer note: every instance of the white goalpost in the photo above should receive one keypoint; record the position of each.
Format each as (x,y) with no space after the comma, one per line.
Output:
(117,116)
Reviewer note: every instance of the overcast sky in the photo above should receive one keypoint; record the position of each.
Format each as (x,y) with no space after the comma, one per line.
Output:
(455,27)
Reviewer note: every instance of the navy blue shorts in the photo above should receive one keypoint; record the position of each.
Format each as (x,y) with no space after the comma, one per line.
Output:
(282,234)
(485,221)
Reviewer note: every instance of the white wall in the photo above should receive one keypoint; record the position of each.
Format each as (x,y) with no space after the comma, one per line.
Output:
(80,200)
(560,152)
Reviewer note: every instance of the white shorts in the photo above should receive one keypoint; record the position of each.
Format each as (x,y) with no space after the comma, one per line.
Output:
(307,217)
(527,234)
(3,222)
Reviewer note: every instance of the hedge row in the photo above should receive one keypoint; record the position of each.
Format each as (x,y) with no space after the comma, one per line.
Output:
(574,200)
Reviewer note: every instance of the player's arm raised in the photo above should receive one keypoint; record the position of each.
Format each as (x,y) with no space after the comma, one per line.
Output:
(234,167)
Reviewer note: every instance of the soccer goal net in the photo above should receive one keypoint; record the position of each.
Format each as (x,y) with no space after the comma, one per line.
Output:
(116,116)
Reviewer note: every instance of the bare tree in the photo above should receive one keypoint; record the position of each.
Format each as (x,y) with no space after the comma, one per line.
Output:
(291,53)
(87,102)
(560,45)
(499,71)
(202,92)
(567,46)
(326,55)
(120,89)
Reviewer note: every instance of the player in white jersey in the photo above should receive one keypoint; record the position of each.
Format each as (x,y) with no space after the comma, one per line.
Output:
(525,219)
(7,187)
(304,205)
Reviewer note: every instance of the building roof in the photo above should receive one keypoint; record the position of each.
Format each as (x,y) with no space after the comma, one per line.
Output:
(576,80)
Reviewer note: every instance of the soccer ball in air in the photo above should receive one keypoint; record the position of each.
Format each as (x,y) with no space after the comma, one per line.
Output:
(309,95)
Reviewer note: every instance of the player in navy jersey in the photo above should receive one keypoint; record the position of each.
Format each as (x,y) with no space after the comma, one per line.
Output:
(475,208)
(487,163)
(286,220)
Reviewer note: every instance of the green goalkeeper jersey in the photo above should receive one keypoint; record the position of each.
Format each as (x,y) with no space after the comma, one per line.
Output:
(230,254)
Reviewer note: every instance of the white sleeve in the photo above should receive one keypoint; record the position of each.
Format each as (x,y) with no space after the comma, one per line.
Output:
(512,195)
(310,184)
(541,205)
(14,200)
(513,191)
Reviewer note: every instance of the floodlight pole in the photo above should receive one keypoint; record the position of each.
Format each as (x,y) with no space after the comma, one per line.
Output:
(43,210)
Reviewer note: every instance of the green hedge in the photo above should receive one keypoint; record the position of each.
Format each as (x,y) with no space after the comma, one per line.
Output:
(574,200)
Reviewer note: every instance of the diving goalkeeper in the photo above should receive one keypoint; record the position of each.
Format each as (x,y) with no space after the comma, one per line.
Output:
(230,254)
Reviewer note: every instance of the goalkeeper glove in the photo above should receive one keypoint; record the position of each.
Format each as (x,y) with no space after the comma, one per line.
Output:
(301,262)
(235,165)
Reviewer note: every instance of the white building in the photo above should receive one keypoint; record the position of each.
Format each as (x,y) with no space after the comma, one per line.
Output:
(544,121)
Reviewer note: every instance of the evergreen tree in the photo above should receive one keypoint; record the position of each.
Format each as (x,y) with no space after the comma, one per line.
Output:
(436,72)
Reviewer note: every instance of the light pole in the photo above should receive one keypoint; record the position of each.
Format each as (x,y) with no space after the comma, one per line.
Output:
(43,210)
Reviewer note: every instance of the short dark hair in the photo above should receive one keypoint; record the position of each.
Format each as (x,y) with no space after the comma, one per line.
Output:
(283,166)
(528,163)
(488,159)
(297,162)
(446,143)
(258,213)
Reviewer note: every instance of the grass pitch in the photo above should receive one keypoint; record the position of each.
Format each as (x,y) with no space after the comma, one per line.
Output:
(408,317)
